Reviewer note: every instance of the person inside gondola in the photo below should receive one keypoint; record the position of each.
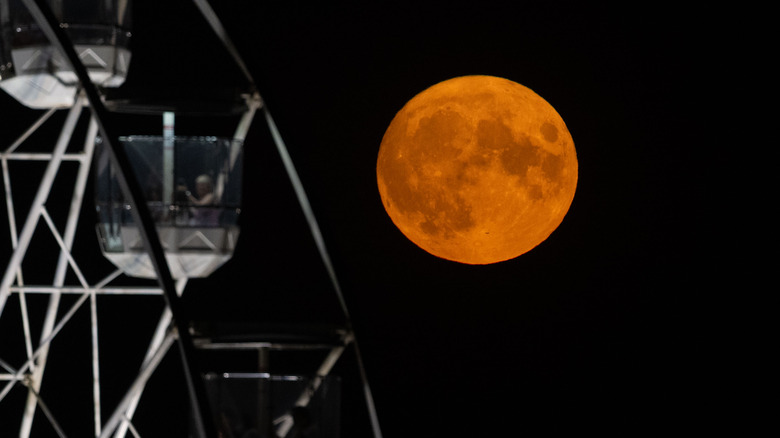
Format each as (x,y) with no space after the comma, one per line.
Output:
(203,214)
(204,187)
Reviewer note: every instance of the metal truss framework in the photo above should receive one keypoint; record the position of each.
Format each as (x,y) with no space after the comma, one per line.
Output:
(30,372)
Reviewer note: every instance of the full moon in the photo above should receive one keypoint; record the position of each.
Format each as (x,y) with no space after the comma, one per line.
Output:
(477,169)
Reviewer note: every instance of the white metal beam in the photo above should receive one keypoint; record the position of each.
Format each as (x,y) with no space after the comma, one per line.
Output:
(140,382)
(34,127)
(40,198)
(157,339)
(59,275)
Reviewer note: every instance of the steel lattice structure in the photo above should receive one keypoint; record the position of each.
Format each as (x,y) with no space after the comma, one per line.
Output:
(40,221)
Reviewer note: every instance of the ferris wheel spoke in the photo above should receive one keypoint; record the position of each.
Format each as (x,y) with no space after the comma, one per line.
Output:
(47,413)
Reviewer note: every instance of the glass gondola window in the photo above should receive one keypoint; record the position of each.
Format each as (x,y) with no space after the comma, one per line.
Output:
(37,75)
(195,207)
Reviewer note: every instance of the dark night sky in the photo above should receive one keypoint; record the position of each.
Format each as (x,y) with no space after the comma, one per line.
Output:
(607,326)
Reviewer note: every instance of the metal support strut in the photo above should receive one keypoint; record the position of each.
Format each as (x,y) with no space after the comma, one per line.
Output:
(303,200)
(43,15)
(173,324)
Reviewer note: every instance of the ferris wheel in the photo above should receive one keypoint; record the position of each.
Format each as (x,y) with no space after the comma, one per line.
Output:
(168,210)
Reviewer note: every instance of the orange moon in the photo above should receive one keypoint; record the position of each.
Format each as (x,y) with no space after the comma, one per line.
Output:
(477,169)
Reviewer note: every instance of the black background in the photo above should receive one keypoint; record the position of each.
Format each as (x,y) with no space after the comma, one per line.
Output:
(613,324)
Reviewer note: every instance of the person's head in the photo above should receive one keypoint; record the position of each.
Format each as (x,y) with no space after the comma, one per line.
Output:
(204,185)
